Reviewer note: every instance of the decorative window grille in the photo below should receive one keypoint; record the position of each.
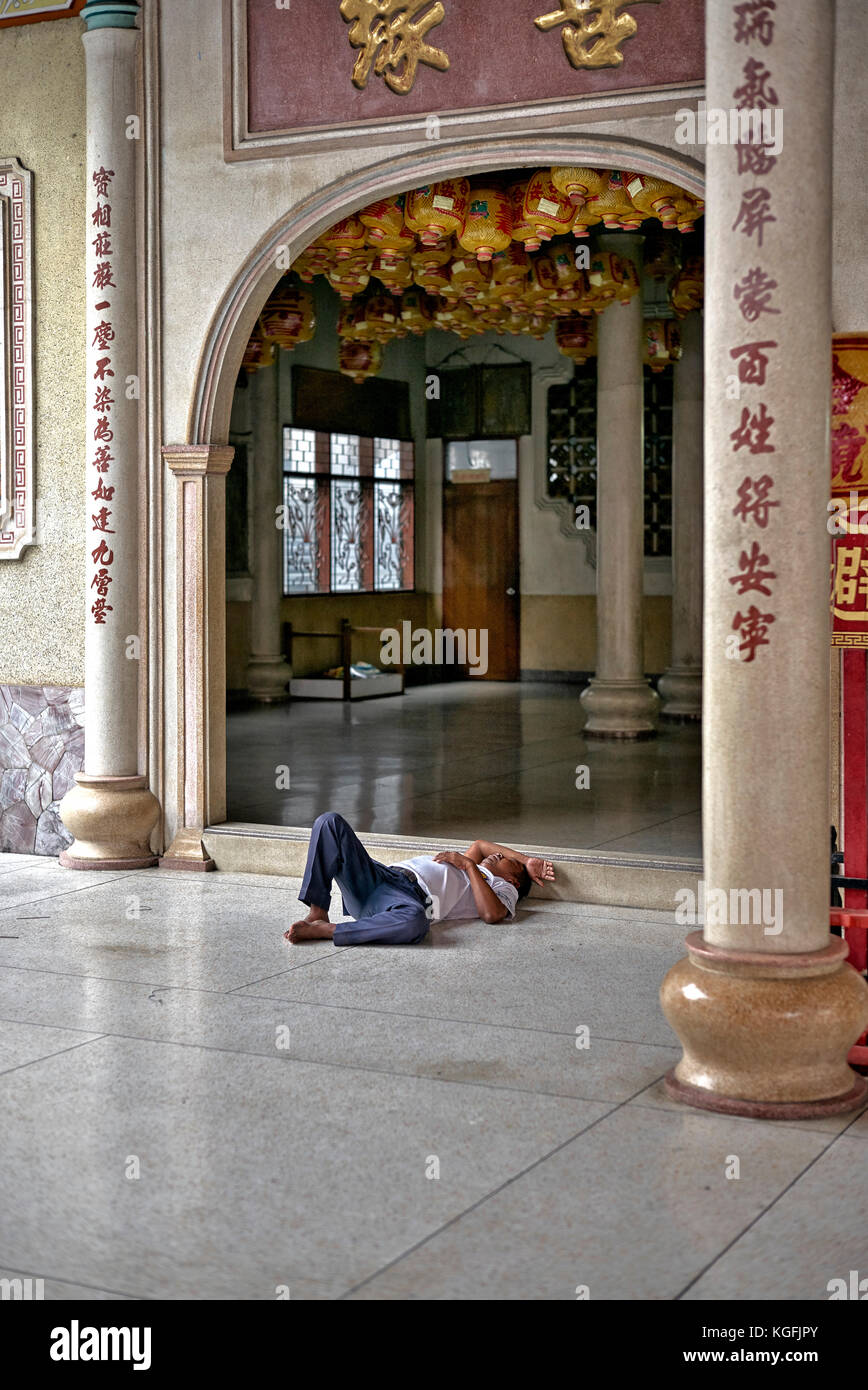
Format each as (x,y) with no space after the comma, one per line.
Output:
(350,512)
(572,449)
(658,462)
(572,426)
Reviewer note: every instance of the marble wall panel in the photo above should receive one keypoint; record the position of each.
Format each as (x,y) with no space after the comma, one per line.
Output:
(41,749)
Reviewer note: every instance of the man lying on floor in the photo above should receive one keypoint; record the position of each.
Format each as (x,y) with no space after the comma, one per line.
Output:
(394,905)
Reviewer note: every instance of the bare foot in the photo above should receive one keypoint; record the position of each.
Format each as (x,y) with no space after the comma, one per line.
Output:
(317,928)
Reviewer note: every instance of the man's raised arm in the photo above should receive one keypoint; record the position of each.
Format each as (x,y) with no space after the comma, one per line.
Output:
(541,870)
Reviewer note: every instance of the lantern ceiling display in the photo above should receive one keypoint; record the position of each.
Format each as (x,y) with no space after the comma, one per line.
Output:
(499,254)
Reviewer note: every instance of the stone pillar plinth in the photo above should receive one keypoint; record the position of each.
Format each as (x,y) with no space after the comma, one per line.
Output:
(680,687)
(200,602)
(619,701)
(110,811)
(764,1005)
(267,671)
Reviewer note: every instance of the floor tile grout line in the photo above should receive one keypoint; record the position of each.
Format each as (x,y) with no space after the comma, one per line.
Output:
(384,1071)
(788,1127)
(279,974)
(85,888)
(495,1191)
(321,1062)
(644,829)
(85,1042)
(149,984)
(19,868)
(443,1018)
(773,1203)
(75,1283)
(380,1013)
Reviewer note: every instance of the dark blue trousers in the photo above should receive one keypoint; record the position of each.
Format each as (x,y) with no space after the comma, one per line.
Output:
(389,909)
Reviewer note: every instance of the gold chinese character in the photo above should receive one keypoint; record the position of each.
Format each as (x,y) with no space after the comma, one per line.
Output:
(595,23)
(392,40)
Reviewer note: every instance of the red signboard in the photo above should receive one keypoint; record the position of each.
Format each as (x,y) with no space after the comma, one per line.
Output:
(353,63)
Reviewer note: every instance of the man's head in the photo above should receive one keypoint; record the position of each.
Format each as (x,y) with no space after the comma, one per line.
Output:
(511,869)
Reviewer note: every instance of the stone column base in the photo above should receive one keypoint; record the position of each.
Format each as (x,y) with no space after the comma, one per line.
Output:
(766,1034)
(267,679)
(187,852)
(620,709)
(111,820)
(680,688)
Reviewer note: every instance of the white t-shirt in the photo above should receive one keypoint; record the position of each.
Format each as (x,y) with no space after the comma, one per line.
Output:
(450,891)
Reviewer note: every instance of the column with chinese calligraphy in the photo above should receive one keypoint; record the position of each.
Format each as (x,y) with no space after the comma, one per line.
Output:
(619,701)
(681,685)
(764,1004)
(110,811)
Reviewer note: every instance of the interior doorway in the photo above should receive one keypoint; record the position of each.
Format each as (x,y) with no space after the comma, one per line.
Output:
(481,551)
(543,613)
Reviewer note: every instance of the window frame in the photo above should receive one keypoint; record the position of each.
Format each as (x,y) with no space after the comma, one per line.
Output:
(324,478)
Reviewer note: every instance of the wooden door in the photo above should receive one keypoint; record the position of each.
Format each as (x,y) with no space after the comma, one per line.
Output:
(480,568)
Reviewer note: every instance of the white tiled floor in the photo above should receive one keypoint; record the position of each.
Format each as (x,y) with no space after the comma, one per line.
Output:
(284,1107)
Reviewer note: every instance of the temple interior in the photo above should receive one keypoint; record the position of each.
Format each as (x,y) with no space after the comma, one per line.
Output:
(423,386)
(434,671)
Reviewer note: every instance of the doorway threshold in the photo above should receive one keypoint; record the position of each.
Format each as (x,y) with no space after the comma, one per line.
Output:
(582,875)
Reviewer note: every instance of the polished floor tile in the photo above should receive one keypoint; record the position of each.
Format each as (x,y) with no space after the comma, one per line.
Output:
(185,932)
(464,759)
(633,1209)
(522,1059)
(22,1042)
(541,971)
(183,1172)
(816,1232)
(44,878)
(286,1110)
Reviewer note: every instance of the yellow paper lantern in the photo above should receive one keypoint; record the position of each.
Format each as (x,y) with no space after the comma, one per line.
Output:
(417,310)
(345,237)
(614,205)
(523,229)
(437,210)
(510,266)
(653,197)
(662,340)
(604,277)
(394,272)
(289,317)
(578,183)
(359,360)
(585,218)
(688,288)
(576,337)
(550,212)
(383,314)
(258,353)
(384,219)
(688,211)
(488,224)
(469,277)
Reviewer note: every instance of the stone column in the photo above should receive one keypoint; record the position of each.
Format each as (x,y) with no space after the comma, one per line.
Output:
(110,812)
(267,671)
(764,1005)
(619,701)
(200,612)
(681,685)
